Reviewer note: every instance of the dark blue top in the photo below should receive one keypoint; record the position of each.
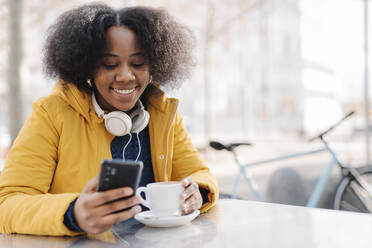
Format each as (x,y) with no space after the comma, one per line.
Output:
(131,152)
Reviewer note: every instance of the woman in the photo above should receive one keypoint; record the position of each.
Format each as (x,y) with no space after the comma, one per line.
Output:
(109,63)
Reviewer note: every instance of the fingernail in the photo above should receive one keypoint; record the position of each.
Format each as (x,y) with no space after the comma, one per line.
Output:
(128,191)
(136,209)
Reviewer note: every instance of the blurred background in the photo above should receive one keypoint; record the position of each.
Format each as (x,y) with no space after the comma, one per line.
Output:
(270,72)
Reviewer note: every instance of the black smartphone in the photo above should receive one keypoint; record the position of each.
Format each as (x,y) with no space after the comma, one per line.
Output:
(117,173)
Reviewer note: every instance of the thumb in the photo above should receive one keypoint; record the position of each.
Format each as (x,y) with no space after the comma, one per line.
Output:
(186,182)
(91,186)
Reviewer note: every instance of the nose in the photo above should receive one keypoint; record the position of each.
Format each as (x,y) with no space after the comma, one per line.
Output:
(124,74)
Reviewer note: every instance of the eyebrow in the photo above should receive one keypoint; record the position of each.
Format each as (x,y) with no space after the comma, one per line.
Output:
(114,55)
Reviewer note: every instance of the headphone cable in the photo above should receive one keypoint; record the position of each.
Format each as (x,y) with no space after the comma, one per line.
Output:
(139,147)
(130,138)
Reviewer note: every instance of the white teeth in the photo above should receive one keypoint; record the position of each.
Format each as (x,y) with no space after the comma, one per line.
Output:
(124,91)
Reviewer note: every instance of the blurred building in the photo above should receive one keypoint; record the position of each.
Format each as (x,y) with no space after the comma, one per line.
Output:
(267,69)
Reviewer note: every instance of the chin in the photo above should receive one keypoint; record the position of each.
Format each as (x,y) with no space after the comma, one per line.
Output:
(125,108)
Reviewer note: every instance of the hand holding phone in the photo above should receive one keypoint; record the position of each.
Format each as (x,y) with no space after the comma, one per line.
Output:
(96,212)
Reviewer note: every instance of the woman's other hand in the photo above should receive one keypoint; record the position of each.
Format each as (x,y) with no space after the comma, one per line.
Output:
(191,196)
(94,211)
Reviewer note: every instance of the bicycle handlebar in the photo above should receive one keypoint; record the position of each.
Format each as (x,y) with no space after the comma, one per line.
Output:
(332,127)
(219,146)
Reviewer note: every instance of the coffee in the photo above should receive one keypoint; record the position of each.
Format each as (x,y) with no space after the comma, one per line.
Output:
(163,198)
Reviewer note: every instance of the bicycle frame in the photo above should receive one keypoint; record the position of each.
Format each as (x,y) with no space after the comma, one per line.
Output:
(317,190)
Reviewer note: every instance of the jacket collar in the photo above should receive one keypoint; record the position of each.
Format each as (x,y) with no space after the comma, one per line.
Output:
(160,101)
(79,100)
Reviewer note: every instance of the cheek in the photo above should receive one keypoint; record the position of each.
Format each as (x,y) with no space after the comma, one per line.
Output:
(103,78)
(144,77)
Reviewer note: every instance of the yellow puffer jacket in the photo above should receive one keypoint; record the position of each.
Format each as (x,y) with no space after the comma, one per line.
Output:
(60,148)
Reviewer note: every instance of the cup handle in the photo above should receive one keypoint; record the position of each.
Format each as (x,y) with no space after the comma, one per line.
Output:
(146,202)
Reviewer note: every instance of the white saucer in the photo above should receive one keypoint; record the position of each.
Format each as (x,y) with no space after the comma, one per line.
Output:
(148,219)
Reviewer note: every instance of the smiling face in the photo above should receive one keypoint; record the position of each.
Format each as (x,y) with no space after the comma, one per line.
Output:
(123,74)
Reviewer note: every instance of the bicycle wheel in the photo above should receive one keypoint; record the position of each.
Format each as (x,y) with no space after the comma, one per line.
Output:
(349,195)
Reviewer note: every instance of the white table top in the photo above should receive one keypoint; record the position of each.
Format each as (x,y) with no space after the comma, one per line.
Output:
(232,223)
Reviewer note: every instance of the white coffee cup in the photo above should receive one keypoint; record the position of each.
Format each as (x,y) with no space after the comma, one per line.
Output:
(162,198)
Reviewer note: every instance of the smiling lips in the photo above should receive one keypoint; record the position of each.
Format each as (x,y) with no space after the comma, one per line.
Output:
(124,91)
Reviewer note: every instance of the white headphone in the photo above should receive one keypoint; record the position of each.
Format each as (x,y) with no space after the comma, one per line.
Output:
(119,123)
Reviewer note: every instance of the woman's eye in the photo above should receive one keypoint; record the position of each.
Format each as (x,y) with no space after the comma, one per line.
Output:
(110,67)
(138,65)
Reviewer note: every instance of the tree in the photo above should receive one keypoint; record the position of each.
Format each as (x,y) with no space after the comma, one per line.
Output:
(14,66)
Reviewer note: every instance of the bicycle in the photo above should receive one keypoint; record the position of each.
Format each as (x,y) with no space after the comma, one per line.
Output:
(352,193)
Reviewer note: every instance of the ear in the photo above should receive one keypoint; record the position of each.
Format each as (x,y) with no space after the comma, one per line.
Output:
(150,81)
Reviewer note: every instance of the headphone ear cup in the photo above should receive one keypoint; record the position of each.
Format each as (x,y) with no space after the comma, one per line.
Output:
(118,123)
(140,119)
